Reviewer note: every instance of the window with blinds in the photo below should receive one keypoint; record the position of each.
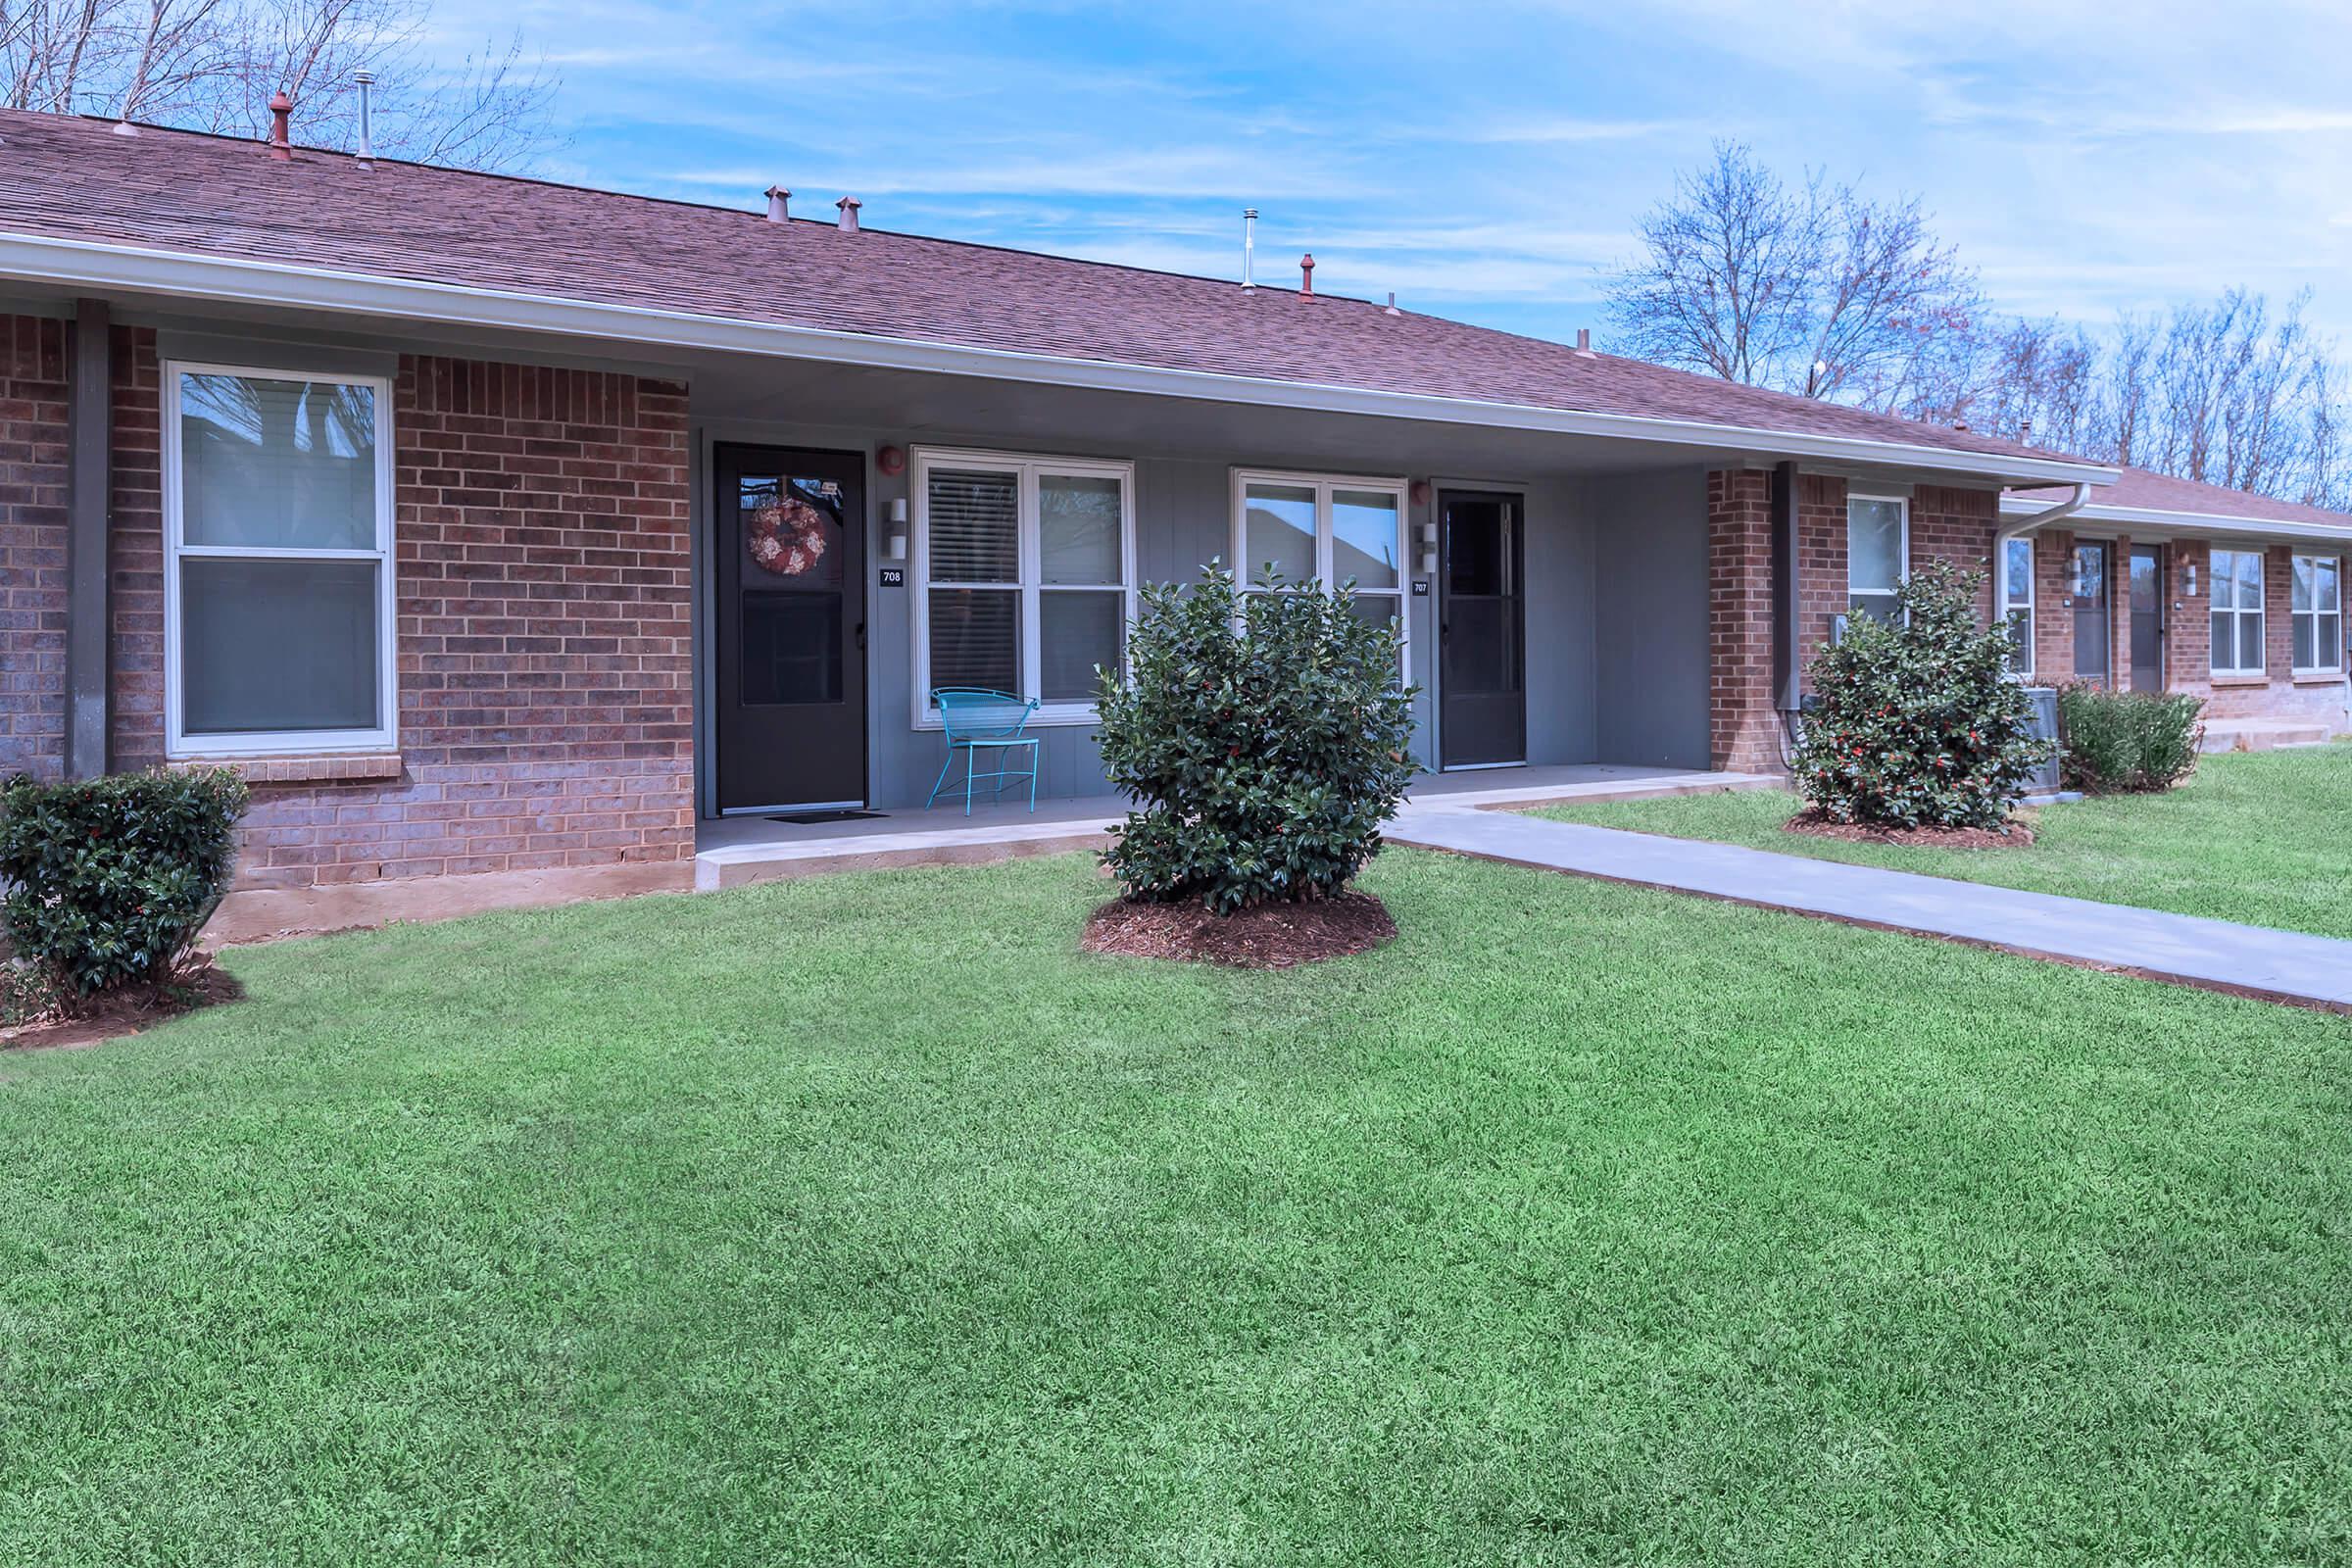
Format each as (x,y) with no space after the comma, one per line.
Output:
(2237,611)
(1027,573)
(2319,613)
(277,586)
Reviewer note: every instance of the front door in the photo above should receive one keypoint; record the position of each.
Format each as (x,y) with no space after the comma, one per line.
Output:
(790,627)
(1482,626)
(2147,618)
(2088,598)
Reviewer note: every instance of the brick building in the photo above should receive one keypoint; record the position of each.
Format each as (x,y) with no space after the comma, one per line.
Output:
(507,530)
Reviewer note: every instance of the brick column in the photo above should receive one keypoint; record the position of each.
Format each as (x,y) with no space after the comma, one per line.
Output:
(2278,615)
(32,546)
(2188,618)
(1743,729)
(1822,589)
(2053,622)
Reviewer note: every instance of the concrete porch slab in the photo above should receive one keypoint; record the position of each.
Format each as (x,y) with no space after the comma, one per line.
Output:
(736,850)
(2262,734)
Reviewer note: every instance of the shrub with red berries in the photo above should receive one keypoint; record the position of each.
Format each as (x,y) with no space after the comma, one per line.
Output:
(1915,721)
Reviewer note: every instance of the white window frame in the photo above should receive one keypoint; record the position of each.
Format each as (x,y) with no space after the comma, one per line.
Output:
(1902,573)
(178,742)
(1028,467)
(2009,605)
(2236,612)
(2337,667)
(1323,484)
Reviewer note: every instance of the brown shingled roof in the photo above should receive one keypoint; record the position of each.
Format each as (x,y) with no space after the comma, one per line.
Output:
(2140,490)
(67,178)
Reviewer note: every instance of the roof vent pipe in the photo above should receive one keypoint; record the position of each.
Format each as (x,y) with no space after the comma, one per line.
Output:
(1584,341)
(848,206)
(1393,309)
(779,203)
(366,85)
(281,106)
(1306,275)
(1249,245)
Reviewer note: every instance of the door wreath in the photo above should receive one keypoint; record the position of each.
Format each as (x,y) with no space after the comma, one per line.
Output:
(788,536)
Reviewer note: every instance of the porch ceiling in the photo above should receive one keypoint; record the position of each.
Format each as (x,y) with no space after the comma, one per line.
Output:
(1051,417)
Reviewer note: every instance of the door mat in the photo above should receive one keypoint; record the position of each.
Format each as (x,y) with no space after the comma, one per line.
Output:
(807,818)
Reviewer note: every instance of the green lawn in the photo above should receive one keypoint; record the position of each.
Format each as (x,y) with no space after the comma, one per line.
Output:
(864,1221)
(2263,837)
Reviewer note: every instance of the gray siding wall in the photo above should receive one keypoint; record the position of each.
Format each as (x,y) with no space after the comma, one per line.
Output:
(1618,677)
(1649,617)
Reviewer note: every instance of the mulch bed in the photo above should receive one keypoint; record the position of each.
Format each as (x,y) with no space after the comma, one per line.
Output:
(202,984)
(1268,936)
(1926,838)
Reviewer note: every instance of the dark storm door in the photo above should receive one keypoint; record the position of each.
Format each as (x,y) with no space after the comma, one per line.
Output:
(2147,618)
(2087,597)
(1482,630)
(790,627)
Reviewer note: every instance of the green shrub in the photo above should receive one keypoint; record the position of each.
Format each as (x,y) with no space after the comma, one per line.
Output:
(110,880)
(1263,760)
(2128,740)
(1915,722)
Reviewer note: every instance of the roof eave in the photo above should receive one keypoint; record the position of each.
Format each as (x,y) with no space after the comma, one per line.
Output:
(89,264)
(2195,522)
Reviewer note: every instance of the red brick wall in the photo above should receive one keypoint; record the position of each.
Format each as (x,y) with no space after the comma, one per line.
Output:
(1822,586)
(1946,523)
(1957,525)
(1743,729)
(33,480)
(544,631)
(2188,642)
(2053,622)
(135,555)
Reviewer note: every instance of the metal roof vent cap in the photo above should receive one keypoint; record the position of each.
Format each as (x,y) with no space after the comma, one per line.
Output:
(779,203)
(281,108)
(1306,275)
(848,206)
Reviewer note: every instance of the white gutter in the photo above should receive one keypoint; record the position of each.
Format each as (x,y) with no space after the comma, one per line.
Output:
(88,266)
(2027,524)
(2210,522)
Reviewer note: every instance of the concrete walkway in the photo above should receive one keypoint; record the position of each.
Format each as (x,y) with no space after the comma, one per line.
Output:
(2282,965)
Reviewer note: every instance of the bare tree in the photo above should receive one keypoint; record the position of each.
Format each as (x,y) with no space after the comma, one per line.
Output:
(213,65)
(1812,288)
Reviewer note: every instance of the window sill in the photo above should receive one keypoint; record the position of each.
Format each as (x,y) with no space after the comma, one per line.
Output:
(2256,679)
(2319,677)
(338,767)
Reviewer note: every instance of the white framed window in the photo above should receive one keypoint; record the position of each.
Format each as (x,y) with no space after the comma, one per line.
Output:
(2017,601)
(2319,611)
(1878,552)
(1025,569)
(2236,612)
(279,619)
(1324,528)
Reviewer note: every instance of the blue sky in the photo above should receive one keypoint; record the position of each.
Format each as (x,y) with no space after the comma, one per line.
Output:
(1491,161)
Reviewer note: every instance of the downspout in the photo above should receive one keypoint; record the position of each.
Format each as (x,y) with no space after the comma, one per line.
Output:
(1785,675)
(2027,524)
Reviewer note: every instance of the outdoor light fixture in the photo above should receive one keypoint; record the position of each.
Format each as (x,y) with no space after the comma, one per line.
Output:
(2189,580)
(898,530)
(1429,547)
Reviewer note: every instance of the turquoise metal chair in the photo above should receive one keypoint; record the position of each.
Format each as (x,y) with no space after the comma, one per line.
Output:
(978,721)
